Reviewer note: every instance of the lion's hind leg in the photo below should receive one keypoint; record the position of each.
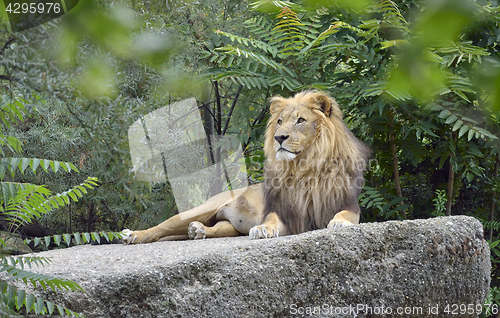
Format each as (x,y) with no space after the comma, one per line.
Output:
(344,218)
(197,230)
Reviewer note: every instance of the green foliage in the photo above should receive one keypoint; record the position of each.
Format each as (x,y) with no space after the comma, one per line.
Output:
(287,53)
(388,206)
(426,102)
(403,86)
(13,299)
(439,203)
(492,224)
(492,302)
(74,238)
(20,204)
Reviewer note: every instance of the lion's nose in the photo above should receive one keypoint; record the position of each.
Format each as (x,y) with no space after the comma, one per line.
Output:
(281,138)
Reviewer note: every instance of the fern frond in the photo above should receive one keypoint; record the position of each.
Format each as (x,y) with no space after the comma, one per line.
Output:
(24,201)
(273,6)
(383,87)
(262,59)
(392,15)
(11,110)
(495,225)
(387,207)
(29,261)
(250,43)
(460,122)
(455,53)
(21,164)
(319,39)
(13,299)
(79,238)
(288,32)
(12,143)
(44,281)
(261,28)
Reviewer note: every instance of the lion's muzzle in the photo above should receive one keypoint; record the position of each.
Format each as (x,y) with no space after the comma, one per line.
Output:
(281,138)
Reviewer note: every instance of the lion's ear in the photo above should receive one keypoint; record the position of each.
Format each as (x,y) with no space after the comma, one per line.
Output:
(324,102)
(276,104)
(327,105)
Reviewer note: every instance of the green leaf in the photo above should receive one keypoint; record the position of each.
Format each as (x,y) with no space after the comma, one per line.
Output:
(457,125)
(39,305)
(96,237)
(3,286)
(402,207)
(86,237)
(105,236)
(57,239)
(77,238)
(47,240)
(45,164)
(445,113)
(60,309)
(55,166)
(50,307)
(494,244)
(67,239)
(451,119)
(463,130)
(30,301)
(470,135)
(21,295)
(25,162)
(397,200)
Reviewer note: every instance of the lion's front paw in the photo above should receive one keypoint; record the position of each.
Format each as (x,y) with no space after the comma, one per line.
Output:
(139,237)
(129,237)
(338,223)
(196,231)
(263,231)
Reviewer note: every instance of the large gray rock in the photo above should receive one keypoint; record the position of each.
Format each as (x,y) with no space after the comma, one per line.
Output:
(417,267)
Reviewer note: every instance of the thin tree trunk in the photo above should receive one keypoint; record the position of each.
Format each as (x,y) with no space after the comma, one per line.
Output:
(218,110)
(231,110)
(449,193)
(90,208)
(216,186)
(494,197)
(451,180)
(395,163)
(395,168)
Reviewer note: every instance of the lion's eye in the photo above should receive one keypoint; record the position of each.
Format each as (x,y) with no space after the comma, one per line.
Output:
(300,120)
(280,121)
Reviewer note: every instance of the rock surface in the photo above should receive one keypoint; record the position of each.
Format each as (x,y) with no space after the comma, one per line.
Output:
(415,268)
(13,244)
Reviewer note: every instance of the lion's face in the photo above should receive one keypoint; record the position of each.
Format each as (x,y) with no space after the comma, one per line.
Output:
(297,124)
(294,133)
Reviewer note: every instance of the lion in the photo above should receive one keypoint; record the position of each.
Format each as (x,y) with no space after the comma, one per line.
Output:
(313,176)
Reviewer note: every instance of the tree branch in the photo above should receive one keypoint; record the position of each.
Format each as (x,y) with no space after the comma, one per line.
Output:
(8,78)
(7,44)
(231,110)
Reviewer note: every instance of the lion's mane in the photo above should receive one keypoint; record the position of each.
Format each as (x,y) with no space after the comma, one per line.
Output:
(308,191)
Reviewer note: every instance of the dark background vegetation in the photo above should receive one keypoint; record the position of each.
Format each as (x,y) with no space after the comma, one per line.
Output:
(418,81)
